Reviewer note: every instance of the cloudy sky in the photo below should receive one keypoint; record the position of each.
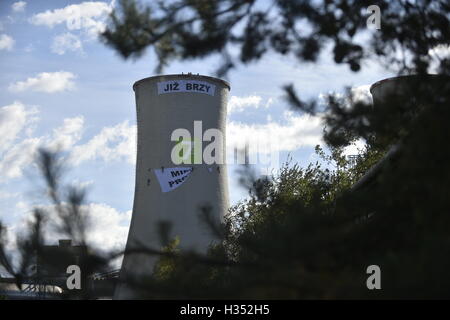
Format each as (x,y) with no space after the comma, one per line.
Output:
(62,88)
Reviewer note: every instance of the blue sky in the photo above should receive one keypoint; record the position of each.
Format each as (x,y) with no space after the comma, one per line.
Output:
(62,87)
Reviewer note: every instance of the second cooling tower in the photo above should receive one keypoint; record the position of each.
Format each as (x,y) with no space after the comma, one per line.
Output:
(168,192)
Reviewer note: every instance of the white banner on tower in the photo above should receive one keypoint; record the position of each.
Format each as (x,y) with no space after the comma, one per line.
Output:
(171,178)
(194,86)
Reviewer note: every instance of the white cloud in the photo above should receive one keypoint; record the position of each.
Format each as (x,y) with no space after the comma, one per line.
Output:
(357,94)
(66,42)
(68,134)
(440,51)
(48,82)
(108,226)
(19,6)
(18,148)
(294,132)
(6,42)
(355,148)
(89,16)
(18,157)
(15,154)
(112,143)
(361,94)
(14,119)
(238,104)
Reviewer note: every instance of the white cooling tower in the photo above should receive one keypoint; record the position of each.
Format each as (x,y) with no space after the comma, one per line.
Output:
(166,190)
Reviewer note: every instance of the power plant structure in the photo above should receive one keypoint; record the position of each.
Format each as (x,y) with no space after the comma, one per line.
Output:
(180,169)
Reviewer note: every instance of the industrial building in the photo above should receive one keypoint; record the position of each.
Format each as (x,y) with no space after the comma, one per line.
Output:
(48,279)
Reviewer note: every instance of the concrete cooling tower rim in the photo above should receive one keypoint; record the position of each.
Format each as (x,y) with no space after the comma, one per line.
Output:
(406,77)
(178,76)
